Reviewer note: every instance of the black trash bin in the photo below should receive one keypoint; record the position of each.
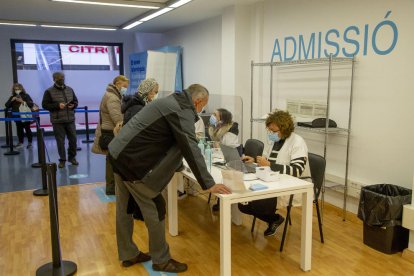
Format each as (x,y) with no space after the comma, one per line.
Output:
(380,208)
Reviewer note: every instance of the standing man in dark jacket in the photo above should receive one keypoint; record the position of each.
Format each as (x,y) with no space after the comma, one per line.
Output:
(61,101)
(145,155)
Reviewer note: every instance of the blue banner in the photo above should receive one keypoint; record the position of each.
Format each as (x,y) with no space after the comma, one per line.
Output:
(138,70)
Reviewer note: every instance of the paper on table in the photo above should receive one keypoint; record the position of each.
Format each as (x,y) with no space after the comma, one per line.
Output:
(233,179)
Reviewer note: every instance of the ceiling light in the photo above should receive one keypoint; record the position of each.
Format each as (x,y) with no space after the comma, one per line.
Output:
(179,3)
(78,27)
(155,14)
(17,24)
(132,25)
(140,6)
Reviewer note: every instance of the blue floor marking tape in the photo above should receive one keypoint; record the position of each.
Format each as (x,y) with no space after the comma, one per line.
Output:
(148,267)
(100,192)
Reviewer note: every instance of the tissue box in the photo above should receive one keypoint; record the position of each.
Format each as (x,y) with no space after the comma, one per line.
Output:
(266,174)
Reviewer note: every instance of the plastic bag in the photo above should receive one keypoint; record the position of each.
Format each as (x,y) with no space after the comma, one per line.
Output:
(382,204)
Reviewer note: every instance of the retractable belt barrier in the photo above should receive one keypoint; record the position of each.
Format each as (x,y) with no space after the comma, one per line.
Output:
(9,133)
(57,266)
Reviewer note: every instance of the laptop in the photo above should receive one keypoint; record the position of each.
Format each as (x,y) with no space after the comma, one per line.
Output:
(232,158)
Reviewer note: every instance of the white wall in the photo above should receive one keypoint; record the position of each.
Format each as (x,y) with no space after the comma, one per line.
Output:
(201,44)
(35,33)
(382,148)
(382,132)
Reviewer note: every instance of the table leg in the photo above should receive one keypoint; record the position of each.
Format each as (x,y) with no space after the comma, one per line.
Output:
(225,237)
(172,204)
(306,231)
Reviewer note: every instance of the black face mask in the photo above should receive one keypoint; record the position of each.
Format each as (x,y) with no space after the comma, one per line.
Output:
(60,83)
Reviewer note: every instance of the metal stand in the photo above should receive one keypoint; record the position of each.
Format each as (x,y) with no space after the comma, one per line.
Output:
(42,161)
(87,127)
(6,126)
(10,132)
(57,266)
(38,164)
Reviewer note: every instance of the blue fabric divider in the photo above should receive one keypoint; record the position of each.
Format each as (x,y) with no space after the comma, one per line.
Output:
(15,119)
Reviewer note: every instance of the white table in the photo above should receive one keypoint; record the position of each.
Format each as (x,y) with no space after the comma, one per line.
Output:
(287,185)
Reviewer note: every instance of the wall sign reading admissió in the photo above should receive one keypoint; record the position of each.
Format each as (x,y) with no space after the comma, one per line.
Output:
(354,40)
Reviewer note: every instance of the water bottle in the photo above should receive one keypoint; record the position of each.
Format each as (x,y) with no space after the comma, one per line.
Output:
(201,146)
(207,156)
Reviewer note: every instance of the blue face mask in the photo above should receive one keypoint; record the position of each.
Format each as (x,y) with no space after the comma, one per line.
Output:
(213,120)
(123,91)
(273,137)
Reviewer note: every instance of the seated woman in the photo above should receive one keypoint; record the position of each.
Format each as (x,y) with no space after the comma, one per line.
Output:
(288,155)
(223,130)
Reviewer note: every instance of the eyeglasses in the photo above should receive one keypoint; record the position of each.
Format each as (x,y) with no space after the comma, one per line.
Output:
(269,131)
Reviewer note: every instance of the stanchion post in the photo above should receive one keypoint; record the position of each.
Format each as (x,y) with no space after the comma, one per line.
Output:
(42,160)
(57,266)
(87,126)
(10,132)
(39,163)
(6,126)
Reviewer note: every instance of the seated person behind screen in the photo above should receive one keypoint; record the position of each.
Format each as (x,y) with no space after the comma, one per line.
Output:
(288,155)
(223,130)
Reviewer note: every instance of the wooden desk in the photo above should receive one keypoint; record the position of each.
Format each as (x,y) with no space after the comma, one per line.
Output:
(287,185)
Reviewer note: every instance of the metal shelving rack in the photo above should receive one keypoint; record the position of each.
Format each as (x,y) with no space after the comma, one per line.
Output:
(326,131)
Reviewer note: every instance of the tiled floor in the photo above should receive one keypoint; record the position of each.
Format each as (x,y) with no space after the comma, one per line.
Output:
(16,173)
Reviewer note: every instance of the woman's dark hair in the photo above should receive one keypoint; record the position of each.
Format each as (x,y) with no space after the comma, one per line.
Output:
(19,85)
(225,116)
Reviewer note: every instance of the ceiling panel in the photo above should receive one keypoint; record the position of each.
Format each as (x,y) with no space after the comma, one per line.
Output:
(45,11)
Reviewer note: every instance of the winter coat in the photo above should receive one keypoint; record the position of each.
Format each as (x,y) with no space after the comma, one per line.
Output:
(52,98)
(131,105)
(110,115)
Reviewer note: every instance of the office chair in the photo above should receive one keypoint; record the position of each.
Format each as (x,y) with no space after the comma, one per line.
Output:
(317,166)
(253,148)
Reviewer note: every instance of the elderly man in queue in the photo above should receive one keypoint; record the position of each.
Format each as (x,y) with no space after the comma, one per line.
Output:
(145,155)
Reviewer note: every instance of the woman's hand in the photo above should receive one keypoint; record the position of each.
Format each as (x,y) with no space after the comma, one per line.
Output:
(247,159)
(262,161)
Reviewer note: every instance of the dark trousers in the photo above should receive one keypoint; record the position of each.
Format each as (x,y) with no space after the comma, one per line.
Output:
(22,127)
(61,130)
(109,177)
(263,209)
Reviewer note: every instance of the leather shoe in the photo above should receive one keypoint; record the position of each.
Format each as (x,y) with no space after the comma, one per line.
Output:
(140,258)
(170,266)
(61,164)
(74,162)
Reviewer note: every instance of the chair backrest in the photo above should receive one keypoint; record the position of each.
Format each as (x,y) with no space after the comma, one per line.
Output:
(317,166)
(253,148)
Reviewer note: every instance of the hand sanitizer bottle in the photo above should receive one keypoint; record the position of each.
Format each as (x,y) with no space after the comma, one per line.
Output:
(201,146)
(207,157)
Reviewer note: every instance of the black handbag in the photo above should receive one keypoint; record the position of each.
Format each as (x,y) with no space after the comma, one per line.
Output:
(106,136)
